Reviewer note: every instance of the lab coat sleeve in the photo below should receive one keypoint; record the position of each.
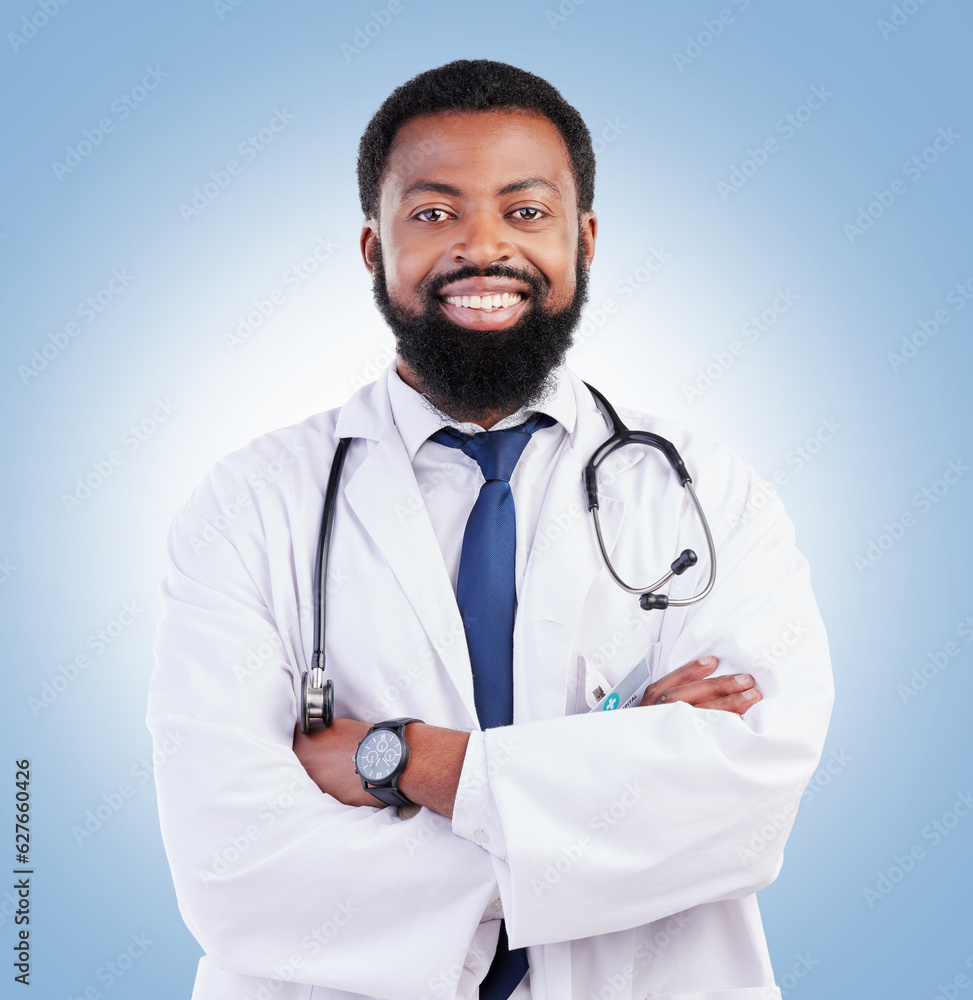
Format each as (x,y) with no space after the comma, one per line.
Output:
(611,820)
(275,878)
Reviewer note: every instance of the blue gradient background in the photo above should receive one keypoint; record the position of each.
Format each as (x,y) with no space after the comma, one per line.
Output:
(678,132)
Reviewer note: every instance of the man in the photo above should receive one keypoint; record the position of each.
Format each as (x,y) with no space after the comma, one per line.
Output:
(556,853)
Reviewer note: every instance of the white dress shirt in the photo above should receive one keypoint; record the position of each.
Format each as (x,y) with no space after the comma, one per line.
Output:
(450,482)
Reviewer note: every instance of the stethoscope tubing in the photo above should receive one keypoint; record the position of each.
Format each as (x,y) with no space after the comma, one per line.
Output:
(317,694)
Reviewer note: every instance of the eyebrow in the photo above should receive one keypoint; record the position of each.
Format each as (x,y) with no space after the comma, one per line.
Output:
(435,187)
(527,184)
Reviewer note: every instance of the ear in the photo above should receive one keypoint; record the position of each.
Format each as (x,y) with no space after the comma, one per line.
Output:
(588,234)
(367,243)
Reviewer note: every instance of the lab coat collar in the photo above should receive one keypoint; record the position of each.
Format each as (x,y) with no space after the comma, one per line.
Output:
(561,568)
(417,419)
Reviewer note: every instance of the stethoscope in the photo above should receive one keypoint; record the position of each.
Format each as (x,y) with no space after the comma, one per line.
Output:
(317,694)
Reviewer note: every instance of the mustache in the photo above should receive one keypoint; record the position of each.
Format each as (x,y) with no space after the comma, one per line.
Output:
(536,283)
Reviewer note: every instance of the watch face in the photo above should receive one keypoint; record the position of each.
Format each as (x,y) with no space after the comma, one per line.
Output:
(379,755)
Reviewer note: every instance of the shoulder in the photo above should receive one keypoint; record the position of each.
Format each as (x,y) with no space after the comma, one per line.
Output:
(282,461)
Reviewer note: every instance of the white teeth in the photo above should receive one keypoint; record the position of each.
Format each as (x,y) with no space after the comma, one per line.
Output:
(485,302)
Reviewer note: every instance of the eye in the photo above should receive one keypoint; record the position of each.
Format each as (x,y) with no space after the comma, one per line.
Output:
(431,215)
(528,213)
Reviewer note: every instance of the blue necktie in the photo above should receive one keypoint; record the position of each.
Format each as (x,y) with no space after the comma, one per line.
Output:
(487,598)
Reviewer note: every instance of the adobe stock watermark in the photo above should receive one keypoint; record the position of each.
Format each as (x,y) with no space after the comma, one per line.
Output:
(428,483)
(373,368)
(97,642)
(960,981)
(933,834)
(796,459)
(7,570)
(791,979)
(292,278)
(122,107)
(786,126)
(365,34)
(112,971)
(713,28)
(565,9)
(559,524)
(935,663)
(775,824)
(596,317)
(398,683)
(926,329)
(898,17)
(88,309)
(224,7)
(923,501)
(599,656)
(914,169)
(423,829)
(793,632)
(236,846)
(600,823)
(111,802)
(130,442)
(443,983)
(751,331)
(618,984)
(259,479)
(220,179)
(272,645)
(824,775)
(506,751)
(46,11)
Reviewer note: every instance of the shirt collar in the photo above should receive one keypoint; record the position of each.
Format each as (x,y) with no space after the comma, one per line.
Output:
(417,419)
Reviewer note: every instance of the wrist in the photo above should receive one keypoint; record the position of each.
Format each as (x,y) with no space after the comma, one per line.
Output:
(436,758)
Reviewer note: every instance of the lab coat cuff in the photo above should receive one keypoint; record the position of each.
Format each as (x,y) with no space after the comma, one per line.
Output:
(475,814)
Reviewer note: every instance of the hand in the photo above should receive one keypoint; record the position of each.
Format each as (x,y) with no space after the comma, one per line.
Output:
(328,756)
(693,685)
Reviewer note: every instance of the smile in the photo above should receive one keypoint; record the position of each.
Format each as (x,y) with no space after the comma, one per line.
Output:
(487,303)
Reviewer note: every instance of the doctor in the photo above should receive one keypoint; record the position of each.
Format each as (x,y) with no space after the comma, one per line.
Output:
(620,850)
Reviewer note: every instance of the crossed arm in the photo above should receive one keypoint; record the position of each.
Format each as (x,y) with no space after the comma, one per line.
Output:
(436,754)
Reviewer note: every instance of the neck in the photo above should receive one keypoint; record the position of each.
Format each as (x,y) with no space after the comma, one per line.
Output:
(485,420)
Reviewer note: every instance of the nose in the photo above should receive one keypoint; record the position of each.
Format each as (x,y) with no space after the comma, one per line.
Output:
(481,241)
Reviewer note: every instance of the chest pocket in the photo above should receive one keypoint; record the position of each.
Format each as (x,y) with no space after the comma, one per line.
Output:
(597,676)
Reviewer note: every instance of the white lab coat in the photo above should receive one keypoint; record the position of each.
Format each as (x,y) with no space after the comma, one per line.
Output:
(626,847)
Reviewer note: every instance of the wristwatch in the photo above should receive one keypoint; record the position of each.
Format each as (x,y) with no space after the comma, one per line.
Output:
(381,758)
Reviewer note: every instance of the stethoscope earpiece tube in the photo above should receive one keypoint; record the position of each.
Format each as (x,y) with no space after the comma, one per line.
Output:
(317,695)
(620,437)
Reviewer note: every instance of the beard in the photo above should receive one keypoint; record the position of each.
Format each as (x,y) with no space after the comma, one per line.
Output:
(471,374)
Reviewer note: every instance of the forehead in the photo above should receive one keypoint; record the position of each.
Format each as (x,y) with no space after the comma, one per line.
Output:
(482,150)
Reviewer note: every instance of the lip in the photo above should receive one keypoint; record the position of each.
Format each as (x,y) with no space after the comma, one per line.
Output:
(478,319)
(484,286)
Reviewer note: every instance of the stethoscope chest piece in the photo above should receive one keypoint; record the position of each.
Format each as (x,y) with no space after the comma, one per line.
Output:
(317,700)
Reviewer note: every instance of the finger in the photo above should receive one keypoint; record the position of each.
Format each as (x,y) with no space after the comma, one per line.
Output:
(695,670)
(735,703)
(708,689)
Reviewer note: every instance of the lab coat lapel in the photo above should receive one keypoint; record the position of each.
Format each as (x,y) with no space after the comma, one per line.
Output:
(385,497)
(563,564)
